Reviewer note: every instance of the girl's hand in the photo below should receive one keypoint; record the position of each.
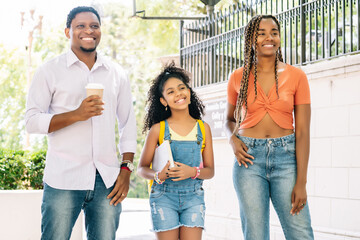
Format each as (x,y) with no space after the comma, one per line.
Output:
(298,198)
(181,171)
(240,151)
(164,174)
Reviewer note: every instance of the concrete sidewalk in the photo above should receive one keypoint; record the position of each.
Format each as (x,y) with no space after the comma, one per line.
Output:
(135,221)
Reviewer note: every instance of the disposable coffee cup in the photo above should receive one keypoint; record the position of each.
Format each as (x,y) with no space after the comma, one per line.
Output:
(94,89)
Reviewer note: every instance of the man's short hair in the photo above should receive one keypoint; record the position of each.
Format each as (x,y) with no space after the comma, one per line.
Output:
(80,9)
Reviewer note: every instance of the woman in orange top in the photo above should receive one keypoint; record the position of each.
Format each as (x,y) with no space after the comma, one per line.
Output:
(271,155)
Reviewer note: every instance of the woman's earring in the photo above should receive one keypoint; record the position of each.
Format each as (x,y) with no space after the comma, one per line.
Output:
(165,108)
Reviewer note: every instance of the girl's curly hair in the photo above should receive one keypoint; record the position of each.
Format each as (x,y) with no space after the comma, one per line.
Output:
(155,110)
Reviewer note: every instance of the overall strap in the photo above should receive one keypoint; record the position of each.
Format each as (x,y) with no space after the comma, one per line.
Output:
(166,135)
(202,132)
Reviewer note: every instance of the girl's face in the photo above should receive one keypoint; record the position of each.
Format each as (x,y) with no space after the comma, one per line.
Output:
(268,41)
(175,94)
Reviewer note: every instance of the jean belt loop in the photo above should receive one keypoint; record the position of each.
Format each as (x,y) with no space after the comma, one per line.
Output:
(283,142)
(252,143)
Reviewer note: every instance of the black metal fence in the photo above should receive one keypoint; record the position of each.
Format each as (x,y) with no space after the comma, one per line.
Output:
(212,48)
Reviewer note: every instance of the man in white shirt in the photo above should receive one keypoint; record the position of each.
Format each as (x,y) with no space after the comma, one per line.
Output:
(82,170)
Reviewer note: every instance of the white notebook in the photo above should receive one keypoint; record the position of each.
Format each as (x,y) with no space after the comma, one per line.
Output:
(162,156)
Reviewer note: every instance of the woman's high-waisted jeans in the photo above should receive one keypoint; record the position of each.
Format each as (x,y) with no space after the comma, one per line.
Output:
(272,176)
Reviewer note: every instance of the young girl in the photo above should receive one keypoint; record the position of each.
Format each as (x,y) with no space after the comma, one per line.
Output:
(177,197)
(271,160)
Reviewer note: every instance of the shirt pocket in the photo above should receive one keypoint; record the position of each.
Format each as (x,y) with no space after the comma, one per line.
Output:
(185,155)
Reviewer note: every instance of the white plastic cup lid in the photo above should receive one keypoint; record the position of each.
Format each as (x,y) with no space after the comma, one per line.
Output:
(94,86)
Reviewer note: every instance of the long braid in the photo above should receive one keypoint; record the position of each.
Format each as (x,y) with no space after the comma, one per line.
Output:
(278,57)
(276,73)
(255,54)
(250,58)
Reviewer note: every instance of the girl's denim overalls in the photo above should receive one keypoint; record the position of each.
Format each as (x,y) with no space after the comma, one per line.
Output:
(180,203)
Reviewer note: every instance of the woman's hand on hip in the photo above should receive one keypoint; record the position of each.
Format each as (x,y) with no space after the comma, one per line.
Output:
(240,151)
(298,198)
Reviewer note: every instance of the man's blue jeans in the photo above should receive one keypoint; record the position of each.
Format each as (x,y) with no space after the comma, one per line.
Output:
(61,208)
(272,176)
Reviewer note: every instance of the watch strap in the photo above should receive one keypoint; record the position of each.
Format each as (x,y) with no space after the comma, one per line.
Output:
(127,165)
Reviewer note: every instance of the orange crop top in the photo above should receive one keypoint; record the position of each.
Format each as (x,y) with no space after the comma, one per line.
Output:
(293,90)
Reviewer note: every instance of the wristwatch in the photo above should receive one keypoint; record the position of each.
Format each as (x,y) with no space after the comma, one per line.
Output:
(128,165)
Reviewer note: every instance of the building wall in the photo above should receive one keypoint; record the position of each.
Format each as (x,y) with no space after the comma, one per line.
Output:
(334,168)
(20,216)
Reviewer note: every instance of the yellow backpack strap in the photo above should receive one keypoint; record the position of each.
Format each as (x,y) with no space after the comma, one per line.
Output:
(202,129)
(162,132)
(161,140)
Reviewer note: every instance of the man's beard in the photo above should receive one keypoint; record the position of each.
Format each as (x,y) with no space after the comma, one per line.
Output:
(88,49)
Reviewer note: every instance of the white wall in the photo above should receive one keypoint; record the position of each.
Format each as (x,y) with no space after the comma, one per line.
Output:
(334,168)
(20,216)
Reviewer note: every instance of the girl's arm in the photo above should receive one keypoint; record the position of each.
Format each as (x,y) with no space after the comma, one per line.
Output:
(208,156)
(182,171)
(302,137)
(147,155)
(239,148)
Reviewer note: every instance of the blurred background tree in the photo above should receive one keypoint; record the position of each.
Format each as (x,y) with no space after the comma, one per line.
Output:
(134,43)
(12,97)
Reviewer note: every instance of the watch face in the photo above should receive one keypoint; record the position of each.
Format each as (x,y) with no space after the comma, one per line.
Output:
(130,166)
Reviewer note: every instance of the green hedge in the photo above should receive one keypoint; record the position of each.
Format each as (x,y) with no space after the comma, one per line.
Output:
(21,169)
(25,170)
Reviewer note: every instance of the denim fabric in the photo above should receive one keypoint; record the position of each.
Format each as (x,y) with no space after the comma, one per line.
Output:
(61,208)
(173,206)
(272,176)
(176,204)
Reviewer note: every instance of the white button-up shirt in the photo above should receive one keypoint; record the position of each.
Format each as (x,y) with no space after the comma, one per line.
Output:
(76,151)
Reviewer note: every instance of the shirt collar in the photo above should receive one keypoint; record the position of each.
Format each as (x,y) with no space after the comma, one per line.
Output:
(71,59)
(101,61)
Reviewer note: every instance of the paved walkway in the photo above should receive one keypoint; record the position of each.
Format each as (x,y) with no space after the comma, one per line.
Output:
(135,221)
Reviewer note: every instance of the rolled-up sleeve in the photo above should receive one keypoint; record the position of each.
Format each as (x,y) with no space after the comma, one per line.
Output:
(126,117)
(37,116)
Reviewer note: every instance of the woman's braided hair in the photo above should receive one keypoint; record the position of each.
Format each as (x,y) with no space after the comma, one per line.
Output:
(156,112)
(250,59)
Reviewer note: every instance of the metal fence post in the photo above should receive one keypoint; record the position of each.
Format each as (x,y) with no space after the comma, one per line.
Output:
(181,42)
(211,52)
(303,31)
